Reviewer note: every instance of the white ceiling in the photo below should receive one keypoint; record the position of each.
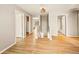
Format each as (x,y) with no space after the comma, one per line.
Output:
(34,9)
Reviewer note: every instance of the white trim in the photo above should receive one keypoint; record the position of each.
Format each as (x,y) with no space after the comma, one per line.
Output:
(7,48)
(71,36)
(66,36)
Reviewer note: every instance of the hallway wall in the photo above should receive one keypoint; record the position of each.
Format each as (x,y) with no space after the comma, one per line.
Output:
(19,21)
(71,22)
(7,26)
(53,21)
(44,24)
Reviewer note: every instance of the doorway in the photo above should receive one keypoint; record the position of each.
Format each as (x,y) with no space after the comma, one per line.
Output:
(61,21)
(28,25)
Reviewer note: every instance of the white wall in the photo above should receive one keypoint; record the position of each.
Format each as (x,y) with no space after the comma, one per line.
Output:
(44,24)
(63,24)
(53,21)
(7,26)
(18,23)
(71,22)
(30,24)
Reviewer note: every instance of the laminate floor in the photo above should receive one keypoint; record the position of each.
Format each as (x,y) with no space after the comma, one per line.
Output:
(58,45)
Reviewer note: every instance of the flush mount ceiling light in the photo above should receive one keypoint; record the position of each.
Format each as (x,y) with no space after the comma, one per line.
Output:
(43,11)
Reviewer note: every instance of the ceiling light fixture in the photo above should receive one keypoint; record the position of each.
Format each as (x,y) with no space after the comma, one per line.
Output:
(43,11)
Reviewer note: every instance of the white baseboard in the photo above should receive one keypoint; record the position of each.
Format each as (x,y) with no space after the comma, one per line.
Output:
(67,35)
(7,48)
(71,36)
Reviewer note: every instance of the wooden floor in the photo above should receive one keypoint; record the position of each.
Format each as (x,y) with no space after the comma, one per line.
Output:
(58,45)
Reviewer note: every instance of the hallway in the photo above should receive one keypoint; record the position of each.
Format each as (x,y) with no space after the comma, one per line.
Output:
(43,20)
(59,44)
